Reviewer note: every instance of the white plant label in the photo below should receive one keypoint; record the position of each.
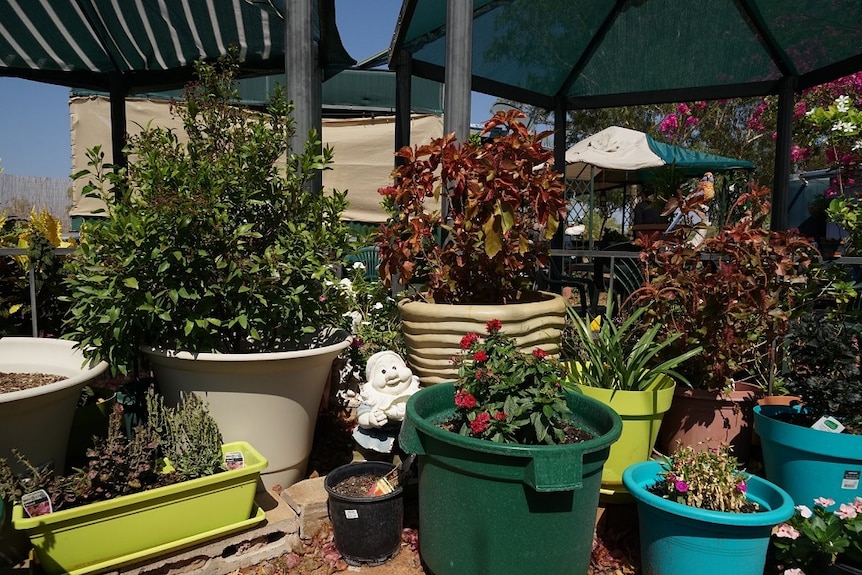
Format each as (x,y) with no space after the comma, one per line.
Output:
(37,503)
(234,460)
(828,423)
(351,513)
(851,479)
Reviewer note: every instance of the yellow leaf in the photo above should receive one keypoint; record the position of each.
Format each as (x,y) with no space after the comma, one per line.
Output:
(596,324)
(493,237)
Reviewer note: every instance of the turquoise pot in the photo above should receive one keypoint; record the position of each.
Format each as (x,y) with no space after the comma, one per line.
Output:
(677,539)
(505,509)
(808,463)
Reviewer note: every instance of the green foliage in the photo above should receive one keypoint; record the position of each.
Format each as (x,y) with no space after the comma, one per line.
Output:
(188,435)
(707,478)
(615,357)
(212,247)
(815,538)
(732,294)
(117,465)
(507,396)
(501,213)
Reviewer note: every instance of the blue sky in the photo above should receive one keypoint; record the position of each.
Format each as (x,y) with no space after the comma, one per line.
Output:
(34,117)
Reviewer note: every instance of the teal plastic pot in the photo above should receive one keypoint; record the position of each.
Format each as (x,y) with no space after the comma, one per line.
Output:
(677,539)
(489,507)
(809,463)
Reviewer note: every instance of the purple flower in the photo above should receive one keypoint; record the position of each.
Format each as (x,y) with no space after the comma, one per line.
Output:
(681,485)
(741,487)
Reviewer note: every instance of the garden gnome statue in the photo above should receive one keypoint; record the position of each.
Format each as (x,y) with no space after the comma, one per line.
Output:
(389,383)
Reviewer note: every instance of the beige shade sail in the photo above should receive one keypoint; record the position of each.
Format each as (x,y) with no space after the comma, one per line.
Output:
(363,149)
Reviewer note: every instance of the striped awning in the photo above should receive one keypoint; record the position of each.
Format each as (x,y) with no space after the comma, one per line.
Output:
(150,44)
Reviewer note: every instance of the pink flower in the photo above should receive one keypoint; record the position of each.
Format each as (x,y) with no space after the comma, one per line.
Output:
(480,424)
(741,487)
(681,485)
(804,511)
(846,511)
(857,503)
(539,353)
(794,571)
(683,109)
(669,124)
(787,531)
(493,326)
(824,502)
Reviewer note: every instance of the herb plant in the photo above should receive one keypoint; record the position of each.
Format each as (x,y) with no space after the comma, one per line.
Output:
(506,395)
(211,246)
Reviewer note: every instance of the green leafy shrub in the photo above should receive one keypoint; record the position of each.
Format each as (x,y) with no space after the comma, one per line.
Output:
(212,246)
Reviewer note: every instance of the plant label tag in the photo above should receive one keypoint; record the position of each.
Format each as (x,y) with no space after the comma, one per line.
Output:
(37,503)
(828,423)
(351,513)
(234,460)
(851,479)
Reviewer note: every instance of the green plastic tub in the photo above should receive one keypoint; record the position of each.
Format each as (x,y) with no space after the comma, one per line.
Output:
(487,507)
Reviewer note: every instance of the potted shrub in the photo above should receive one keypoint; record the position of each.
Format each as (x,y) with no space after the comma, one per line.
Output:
(732,294)
(172,485)
(805,457)
(698,513)
(617,366)
(501,202)
(219,264)
(510,463)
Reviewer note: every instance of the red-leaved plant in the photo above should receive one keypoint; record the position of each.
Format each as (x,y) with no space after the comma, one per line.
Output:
(501,210)
(508,396)
(734,293)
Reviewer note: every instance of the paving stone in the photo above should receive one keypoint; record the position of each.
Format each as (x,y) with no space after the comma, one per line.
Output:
(308,499)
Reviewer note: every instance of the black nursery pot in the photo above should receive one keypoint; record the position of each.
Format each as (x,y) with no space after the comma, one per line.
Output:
(367,529)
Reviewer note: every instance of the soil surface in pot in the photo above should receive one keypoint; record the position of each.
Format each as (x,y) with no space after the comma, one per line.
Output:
(803,419)
(356,486)
(10,382)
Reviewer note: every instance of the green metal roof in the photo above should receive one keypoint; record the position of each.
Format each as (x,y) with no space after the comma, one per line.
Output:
(604,53)
(150,44)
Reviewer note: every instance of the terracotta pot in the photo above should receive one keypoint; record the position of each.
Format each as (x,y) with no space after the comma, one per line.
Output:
(433,331)
(697,416)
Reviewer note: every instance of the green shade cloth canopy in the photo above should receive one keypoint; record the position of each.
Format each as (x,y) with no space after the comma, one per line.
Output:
(617,156)
(150,44)
(605,53)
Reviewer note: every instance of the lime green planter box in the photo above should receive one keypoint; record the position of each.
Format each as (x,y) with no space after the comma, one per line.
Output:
(103,535)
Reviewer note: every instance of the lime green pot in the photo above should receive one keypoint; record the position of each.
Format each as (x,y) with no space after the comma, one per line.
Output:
(641,413)
(104,535)
(487,507)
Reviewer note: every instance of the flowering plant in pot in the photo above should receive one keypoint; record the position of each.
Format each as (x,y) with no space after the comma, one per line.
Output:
(815,538)
(500,204)
(695,497)
(216,256)
(509,439)
(733,294)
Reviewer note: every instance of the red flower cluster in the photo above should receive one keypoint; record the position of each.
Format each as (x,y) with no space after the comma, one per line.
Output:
(480,424)
(468,340)
(500,416)
(480,356)
(494,326)
(539,353)
(464,399)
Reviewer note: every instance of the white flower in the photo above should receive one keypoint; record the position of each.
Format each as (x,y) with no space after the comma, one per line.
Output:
(857,146)
(378,305)
(794,571)
(846,127)
(804,511)
(328,283)
(842,103)
(359,266)
(346,285)
(355,320)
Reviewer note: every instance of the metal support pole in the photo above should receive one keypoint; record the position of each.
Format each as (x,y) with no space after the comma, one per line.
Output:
(403,94)
(781,181)
(459,68)
(117,97)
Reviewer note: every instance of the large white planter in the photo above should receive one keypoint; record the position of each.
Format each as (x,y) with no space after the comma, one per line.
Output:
(432,332)
(37,421)
(267,399)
